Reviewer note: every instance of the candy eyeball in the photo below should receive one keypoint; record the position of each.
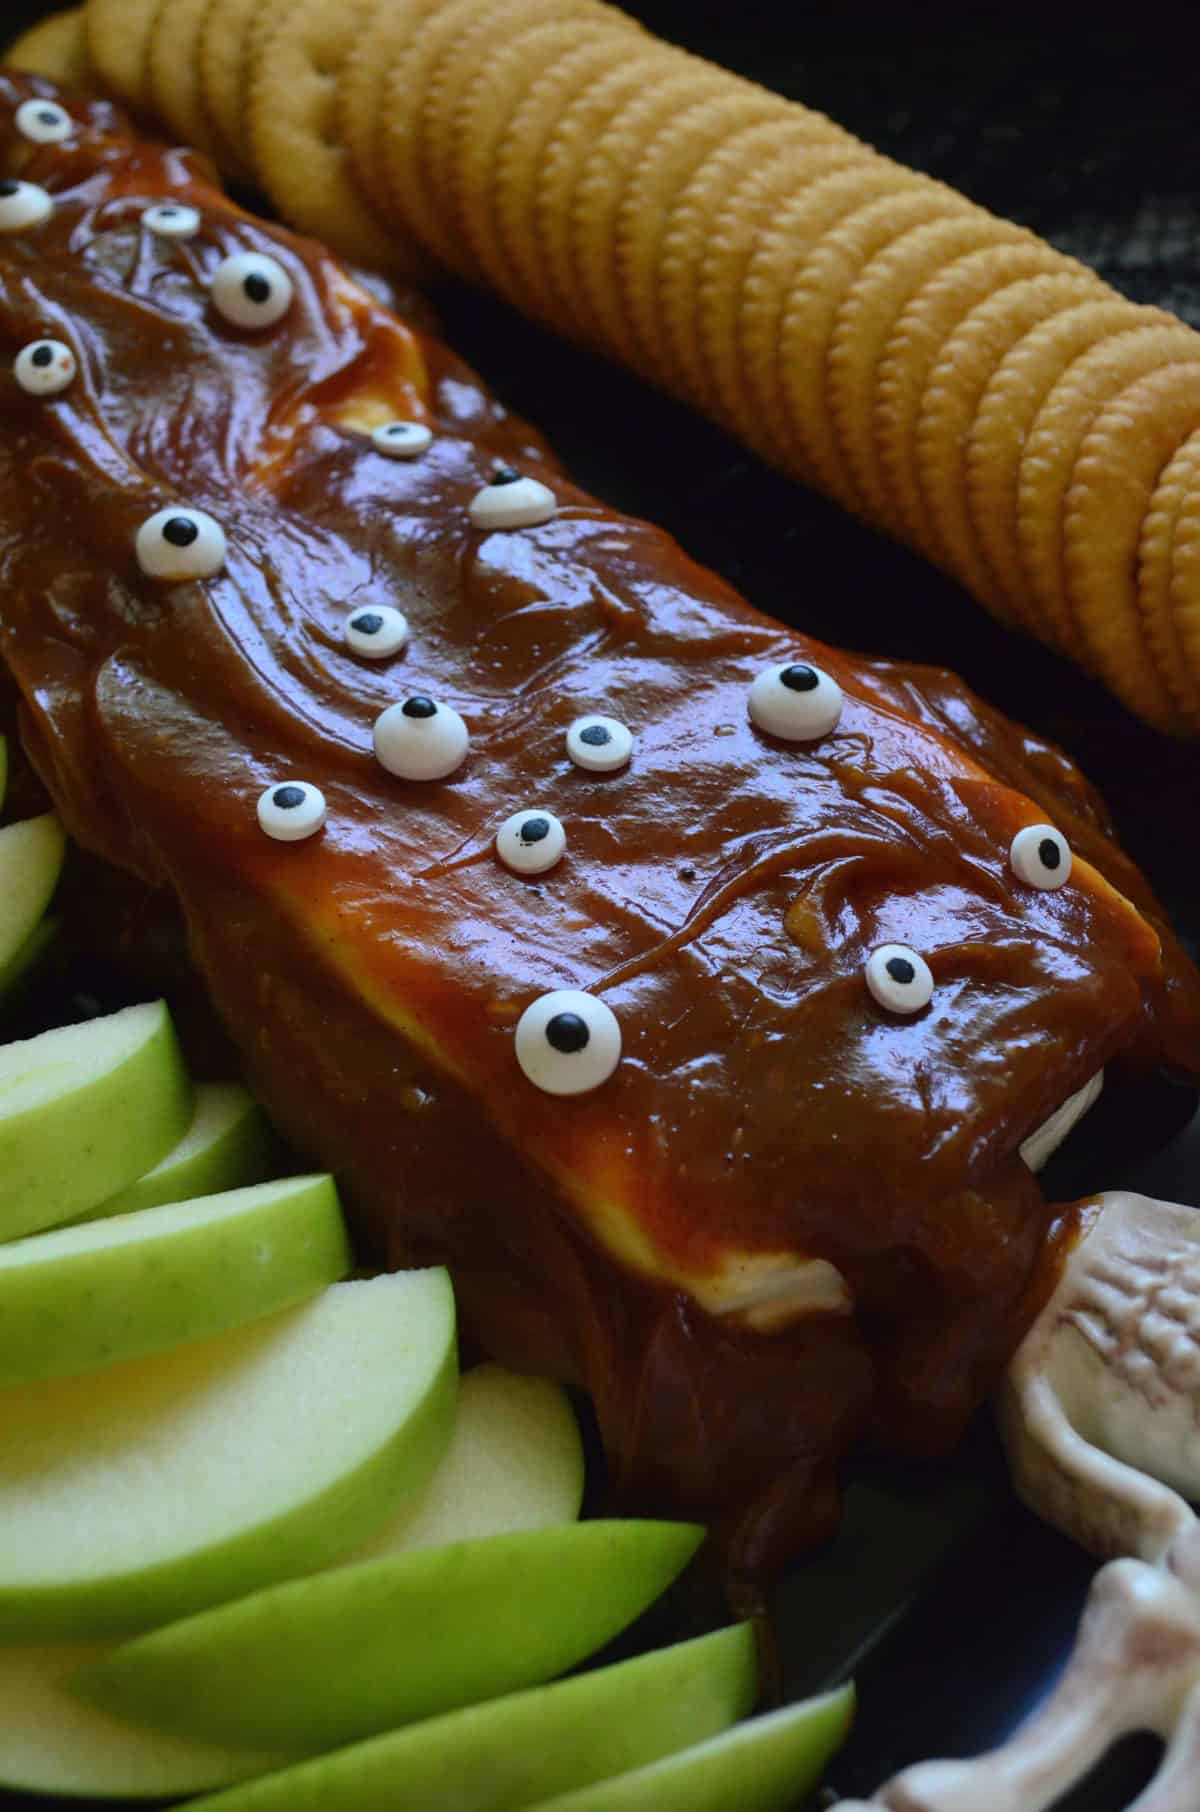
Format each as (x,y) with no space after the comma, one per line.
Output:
(376,631)
(180,544)
(251,290)
(44,122)
(795,701)
(291,812)
(1041,856)
(172,220)
(22,205)
(899,978)
(402,440)
(599,744)
(568,1042)
(511,501)
(45,367)
(420,739)
(531,842)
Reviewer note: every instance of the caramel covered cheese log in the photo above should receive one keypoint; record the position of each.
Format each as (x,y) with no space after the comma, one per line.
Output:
(941,372)
(693,989)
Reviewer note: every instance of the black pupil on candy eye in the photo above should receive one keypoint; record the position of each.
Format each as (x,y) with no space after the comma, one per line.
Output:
(48,117)
(567,1033)
(256,287)
(505,475)
(167,213)
(595,736)
(1049,853)
(8,187)
(180,532)
(287,798)
(799,679)
(534,829)
(370,623)
(901,970)
(42,355)
(419,707)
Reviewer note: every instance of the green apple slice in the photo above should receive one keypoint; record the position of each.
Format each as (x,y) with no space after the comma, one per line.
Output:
(50,1742)
(318,1662)
(228,1145)
(84,1110)
(145,1491)
(86,1296)
(515,1462)
(766,1765)
(502,1756)
(31,859)
(23,965)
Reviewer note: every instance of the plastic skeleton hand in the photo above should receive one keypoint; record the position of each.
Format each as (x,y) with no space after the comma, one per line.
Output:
(1101,1415)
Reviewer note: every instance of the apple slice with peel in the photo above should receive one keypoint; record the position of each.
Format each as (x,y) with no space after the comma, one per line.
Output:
(31,859)
(85,1296)
(84,1110)
(228,1145)
(318,1662)
(50,1742)
(145,1491)
(766,1765)
(24,964)
(502,1756)
(515,1462)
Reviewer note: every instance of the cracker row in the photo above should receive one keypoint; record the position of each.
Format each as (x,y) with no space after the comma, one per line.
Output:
(835,309)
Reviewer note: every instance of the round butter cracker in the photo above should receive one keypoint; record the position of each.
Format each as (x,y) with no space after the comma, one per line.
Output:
(481,95)
(964,368)
(804,331)
(866,321)
(118,39)
(223,75)
(607,176)
(684,146)
(360,102)
(173,72)
(917,339)
(1124,453)
(523,150)
(291,102)
(57,49)
(1185,576)
(1176,491)
(575,134)
(782,253)
(1092,380)
(711,236)
(1005,417)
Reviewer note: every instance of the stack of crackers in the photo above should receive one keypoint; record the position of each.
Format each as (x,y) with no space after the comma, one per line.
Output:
(941,372)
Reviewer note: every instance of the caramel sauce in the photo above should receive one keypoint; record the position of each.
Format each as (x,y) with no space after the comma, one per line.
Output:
(722,892)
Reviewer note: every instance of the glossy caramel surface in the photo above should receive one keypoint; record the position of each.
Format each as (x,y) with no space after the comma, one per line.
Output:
(722,893)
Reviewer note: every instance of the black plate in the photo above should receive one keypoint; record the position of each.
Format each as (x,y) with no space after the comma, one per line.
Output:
(953,1606)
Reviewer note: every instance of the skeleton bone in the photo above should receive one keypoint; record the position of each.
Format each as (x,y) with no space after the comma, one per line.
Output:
(1101,1416)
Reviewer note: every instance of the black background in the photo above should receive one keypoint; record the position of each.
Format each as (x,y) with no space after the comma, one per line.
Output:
(951,1604)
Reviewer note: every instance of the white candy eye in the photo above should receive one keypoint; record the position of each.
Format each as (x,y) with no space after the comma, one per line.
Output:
(172,220)
(251,290)
(291,812)
(1041,856)
(568,1042)
(180,544)
(402,440)
(376,632)
(511,501)
(23,204)
(530,842)
(420,739)
(44,367)
(45,122)
(899,979)
(600,744)
(795,701)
